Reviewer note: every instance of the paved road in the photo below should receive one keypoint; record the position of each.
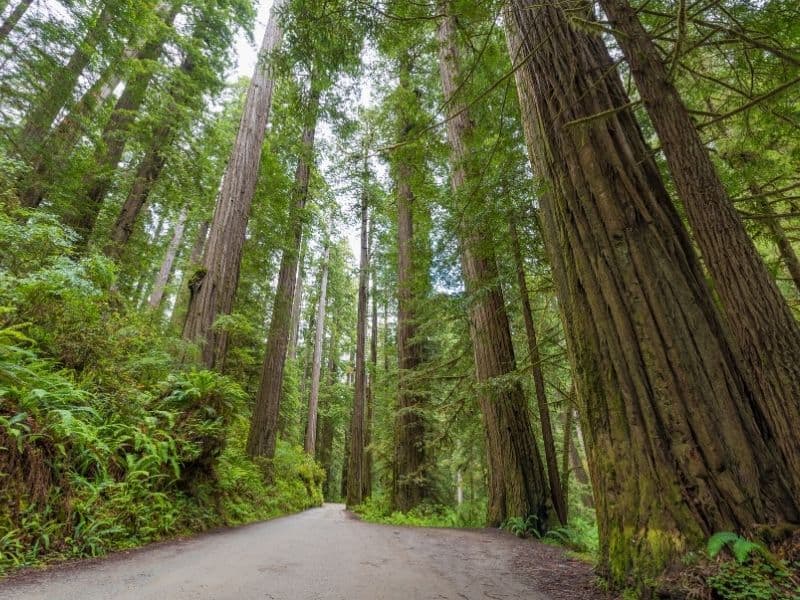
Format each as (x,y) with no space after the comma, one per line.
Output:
(323,553)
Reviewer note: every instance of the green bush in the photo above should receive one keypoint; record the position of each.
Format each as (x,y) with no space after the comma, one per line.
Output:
(377,510)
(106,440)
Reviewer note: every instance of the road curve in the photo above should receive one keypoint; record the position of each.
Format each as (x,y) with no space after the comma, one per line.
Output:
(323,553)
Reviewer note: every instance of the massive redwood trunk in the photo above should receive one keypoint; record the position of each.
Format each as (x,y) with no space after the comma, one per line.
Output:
(316,360)
(264,425)
(675,447)
(409,479)
(357,441)
(213,286)
(766,331)
(559,499)
(517,485)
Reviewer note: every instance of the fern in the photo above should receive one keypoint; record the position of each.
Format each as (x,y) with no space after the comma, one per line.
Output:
(740,547)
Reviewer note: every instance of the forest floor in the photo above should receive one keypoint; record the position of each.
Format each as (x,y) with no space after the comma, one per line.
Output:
(324,553)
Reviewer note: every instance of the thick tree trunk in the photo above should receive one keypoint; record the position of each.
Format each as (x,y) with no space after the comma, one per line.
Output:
(551,460)
(517,484)
(409,479)
(114,138)
(316,360)
(214,286)
(675,447)
(264,425)
(157,295)
(355,467)
(767,333)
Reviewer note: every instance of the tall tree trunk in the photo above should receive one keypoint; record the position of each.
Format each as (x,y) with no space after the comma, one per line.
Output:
(213,287)
(517,484)
(369,455)
(12,19)
(164,273)
(114,138)
(355,467)
(324,447)
(675,447)
(559,502)
(316,360)
(62,139)
(264,425)
(294,335)
(58,92)
(409,479)
(767,333)
(153,161)
(386,334)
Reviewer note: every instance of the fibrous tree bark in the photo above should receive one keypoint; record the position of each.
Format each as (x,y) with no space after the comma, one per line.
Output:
(357,441)
(766,331)
(213,286)
(264,425)
(676,451)
(551,460)
(316,360)
(157,295)
(409,480)
(517,484)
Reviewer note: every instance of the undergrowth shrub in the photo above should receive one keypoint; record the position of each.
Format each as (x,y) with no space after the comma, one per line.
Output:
(377,509)
(106,440)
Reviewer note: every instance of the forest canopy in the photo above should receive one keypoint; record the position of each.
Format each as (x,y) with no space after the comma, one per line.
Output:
(459,263)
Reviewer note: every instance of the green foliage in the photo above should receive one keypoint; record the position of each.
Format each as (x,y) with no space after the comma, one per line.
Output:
(753,574)
(523,527)
(377,510)
(106,440)
(741,547)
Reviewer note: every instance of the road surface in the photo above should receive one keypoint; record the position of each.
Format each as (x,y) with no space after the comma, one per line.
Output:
(324,553)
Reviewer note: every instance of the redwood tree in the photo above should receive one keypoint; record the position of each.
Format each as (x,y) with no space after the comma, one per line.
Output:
(766,331)
(675,444)
(264,425)
(517,484)
(213,286)
(409,485)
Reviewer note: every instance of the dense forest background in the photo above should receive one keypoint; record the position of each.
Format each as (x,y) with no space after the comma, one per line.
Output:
(454,263)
